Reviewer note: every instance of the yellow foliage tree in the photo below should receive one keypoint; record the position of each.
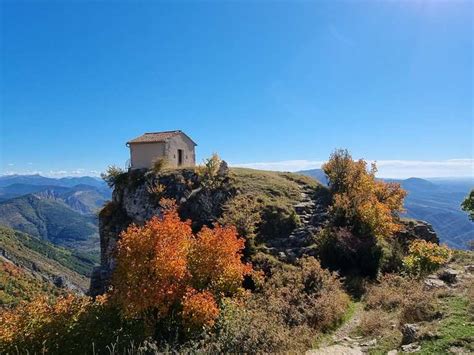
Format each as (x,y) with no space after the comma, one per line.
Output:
(368,205)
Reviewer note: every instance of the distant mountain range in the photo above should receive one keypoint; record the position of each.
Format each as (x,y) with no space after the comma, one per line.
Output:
(62,211)
(436,201)
(37,179)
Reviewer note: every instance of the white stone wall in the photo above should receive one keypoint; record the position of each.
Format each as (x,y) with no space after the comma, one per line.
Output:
(184,143)
(142,155)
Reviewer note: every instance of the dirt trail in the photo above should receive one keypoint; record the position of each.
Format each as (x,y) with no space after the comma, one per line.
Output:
(340,341)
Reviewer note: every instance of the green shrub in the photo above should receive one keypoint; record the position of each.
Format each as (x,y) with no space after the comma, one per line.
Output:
(243,212)
(112,175)
(209,172)
(278,221)
(339,249)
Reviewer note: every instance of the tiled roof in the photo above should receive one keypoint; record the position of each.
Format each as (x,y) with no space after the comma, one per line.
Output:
(155,137)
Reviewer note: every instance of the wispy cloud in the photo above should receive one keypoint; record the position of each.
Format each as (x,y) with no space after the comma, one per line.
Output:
(386,168)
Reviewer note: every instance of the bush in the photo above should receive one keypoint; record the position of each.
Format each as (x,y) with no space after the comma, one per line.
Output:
(374,323)
(156,190)
(339,249)
(284,314)
(408,296)
(425,257)
(71,322)
(419,305)
(209,173)
(159,165)
(389,293)
(243,212)
(248,328)
(306,295)
(367,205)
(163,270)
(278,221)
(112,175)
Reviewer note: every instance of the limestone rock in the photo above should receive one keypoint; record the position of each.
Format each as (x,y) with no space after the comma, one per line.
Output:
(369,343)
(469,268)
(411,348)
(448,275)
(414,229)
(336,349)
(432,283)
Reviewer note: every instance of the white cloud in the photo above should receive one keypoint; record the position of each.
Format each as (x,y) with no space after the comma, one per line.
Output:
(386,168)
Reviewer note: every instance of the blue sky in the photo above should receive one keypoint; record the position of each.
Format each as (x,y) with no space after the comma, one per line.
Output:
(265,84)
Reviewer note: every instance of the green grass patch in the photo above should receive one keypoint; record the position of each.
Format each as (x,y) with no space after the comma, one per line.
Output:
(456,329)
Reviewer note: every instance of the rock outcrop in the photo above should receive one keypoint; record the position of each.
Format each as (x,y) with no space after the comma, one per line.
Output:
(135,199)
(415,229)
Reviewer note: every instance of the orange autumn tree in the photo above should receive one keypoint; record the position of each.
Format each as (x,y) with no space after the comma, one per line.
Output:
(162,268)
(369,206)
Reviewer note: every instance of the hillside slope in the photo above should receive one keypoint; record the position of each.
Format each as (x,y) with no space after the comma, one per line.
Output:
(51,220)
(31,266)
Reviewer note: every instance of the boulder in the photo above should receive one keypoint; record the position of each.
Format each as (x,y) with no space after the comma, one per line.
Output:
(449,275)
(469,268)
(411,348)
(431,283)
(415,229)
(410,333)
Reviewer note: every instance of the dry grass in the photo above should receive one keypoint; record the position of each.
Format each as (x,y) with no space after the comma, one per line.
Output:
(376,323)
(408,296)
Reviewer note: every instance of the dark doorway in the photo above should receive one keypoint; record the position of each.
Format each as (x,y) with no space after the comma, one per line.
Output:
(180,157)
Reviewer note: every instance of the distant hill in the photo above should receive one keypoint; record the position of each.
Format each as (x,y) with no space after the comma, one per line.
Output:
(436,201)
(82,198)
(30,266)
(42,180)
(317,174)
(51,220)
